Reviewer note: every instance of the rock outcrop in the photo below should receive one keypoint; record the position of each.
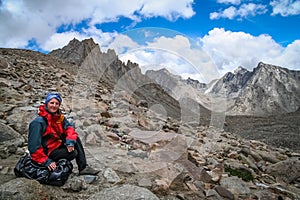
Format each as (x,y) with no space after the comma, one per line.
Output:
(270,90)
(231,84)
(76,51)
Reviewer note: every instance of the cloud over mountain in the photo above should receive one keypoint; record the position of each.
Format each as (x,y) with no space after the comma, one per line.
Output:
(231,32)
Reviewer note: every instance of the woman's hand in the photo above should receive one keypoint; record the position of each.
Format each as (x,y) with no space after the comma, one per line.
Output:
(52,166)
(70,148)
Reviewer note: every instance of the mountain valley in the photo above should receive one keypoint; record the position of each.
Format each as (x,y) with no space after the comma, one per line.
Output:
(155,135)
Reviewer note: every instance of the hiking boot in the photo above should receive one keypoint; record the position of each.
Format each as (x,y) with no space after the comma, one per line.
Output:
(89,171)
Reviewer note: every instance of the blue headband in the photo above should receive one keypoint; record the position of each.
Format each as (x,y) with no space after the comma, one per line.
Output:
(53,95)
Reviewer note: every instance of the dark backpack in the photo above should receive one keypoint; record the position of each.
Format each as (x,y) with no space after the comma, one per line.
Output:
(31,170)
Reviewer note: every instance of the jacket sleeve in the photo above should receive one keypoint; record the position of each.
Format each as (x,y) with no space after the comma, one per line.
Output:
(36,129)
(71,135)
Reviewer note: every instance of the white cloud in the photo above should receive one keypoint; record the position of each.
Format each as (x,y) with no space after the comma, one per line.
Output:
(16,28)
(289,57)
(232,49)
(220,51)
(235,2)
(59,40)
(169,9)
(177,53)
(243,11)
(23,20)
(121,43)
(285,7)
(251,9)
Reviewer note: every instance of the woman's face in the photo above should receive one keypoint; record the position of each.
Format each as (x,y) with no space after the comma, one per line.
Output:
(53,105)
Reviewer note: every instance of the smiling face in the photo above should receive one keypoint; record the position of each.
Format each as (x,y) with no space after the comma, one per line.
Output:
(53,105)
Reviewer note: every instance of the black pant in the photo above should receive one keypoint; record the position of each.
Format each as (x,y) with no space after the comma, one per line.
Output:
(78,153)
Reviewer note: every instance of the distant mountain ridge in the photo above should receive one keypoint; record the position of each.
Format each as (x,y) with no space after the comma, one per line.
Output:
(231,83)
(271,89)
(268,89)
(115,74)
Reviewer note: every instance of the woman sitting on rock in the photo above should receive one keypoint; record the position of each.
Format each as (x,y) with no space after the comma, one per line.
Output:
(52,137)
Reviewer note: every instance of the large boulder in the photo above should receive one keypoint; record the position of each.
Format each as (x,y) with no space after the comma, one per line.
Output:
(23,188)
(124,192)
(10,140)
(287,170)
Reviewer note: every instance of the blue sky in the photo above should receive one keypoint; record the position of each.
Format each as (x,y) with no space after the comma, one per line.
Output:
(230,33)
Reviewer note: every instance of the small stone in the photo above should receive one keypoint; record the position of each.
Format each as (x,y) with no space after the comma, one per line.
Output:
(224,192)
(213,193)
(77,185)
(138,153)
(91,139)
(216,174)
(179,183)
(287,171)
(5,170)
(111,176)
(235,185)
(233,154)
(145,182)
(161,187)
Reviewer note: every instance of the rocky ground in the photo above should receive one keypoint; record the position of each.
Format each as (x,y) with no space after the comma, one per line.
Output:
(282,130)
(141,154)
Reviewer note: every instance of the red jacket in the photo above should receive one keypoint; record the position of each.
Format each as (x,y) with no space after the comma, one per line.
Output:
(46,133)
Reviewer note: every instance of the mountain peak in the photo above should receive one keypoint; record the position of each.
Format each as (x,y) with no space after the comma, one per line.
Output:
(75,51)
(266,66)
(86,42)
(240,70)
(163,73)
(164,70)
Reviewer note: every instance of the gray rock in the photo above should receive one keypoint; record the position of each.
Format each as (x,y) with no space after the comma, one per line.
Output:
(235,185)
(249,162)
(9,135)
(265,195)
(145,182)
(138,153)
(287,170)
(91,139)
(76,185)
(10,140)
(212,194)
(195,195)
(111,176)
(224,192)
(268,156)
(21,117)
(179,183)
(255,155)
(124,192)
(24,189)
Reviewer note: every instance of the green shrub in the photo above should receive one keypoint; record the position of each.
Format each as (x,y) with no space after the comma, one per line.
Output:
(241,173)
